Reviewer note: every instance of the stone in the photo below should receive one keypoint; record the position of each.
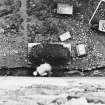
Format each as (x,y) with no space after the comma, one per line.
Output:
(43,69)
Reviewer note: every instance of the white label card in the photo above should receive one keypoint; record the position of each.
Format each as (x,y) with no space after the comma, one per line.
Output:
(65,36)
(81,49)
(102,25)
(64,9)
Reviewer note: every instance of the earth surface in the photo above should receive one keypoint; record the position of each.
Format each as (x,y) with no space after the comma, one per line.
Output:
(52,91)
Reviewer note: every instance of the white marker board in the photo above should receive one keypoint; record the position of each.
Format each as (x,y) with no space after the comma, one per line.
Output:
(64,9)
(81,50)
(65,36)
(102,25)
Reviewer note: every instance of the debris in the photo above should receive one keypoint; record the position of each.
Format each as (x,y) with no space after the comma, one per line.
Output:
(65,36)
(64,9)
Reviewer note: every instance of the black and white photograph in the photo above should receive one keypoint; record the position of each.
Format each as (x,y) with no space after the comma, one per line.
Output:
(52,52)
